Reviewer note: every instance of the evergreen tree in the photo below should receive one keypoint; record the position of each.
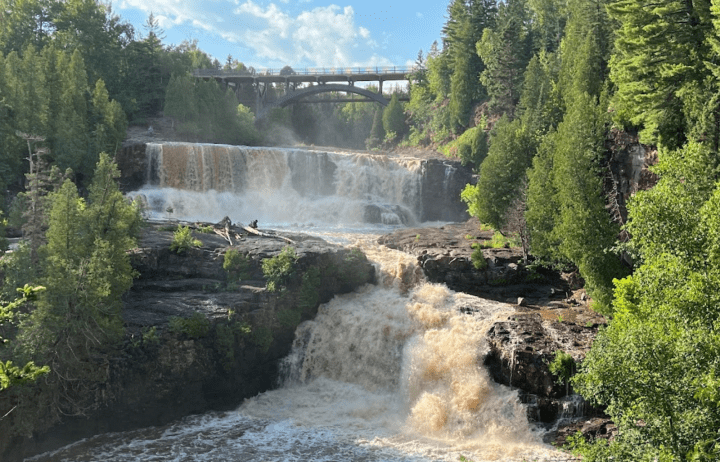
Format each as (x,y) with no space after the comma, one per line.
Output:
(377,132)
(661,47)
(86,271)
(505,50)
(393,118)
(501,173)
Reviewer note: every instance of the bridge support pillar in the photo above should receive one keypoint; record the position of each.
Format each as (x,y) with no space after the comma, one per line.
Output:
(380,86)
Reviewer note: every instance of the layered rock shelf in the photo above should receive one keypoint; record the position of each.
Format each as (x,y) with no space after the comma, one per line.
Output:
(198,340)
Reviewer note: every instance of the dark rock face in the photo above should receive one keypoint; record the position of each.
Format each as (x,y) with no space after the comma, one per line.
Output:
(167,369)
(442,183)
(521,348)
(444,254)
(132,162)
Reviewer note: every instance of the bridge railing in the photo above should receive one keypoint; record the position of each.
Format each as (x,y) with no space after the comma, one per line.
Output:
(377,70)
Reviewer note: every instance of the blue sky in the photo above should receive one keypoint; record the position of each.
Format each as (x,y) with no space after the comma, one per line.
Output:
(299,33)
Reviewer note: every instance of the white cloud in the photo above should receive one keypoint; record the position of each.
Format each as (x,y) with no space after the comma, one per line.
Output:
(319,37)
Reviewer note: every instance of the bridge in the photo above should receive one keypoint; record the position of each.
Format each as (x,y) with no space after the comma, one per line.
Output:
(318,80)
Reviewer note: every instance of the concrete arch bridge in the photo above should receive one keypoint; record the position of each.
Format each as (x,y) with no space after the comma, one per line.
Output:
(265,85)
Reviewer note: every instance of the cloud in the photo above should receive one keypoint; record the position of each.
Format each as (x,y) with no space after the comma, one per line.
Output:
(319,37)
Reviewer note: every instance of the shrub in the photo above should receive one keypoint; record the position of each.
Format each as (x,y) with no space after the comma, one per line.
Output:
(262,337)
(309,290)
(237,265)
(196,326)
(183,240)
(278,269)
(562,366)
(477,257)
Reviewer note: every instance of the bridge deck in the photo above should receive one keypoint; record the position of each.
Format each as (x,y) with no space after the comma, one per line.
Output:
(323,75)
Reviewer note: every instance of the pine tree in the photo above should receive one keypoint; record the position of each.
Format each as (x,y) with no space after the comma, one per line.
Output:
(393,118)
(661,47)
(505,50)
(377,132)
(86,271)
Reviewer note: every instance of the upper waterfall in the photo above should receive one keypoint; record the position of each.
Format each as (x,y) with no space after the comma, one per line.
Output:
(295,186)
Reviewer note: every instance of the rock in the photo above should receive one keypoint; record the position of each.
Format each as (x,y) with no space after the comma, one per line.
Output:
(521,301)
(521,348)
(164,371)
(445,255)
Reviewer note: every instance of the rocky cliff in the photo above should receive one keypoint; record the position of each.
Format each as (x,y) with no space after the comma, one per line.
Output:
(200,337)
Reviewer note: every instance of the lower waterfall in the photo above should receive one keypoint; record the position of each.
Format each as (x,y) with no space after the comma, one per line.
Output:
(392,372)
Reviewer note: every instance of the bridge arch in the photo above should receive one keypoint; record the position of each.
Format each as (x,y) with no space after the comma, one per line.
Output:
(324,88)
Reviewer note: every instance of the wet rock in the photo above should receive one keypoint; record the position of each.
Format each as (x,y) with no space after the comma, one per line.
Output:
(445,255)
(195,342)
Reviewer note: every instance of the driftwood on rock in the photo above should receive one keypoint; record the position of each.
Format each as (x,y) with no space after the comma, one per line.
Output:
(225,227)
(256,232)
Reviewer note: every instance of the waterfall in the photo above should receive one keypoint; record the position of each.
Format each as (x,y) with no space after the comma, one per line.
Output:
(280,186)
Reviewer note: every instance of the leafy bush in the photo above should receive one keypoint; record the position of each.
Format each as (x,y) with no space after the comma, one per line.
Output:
(278,269)
(237,265)
(183,240)
(477,257)
(289,317)
(262,337)
(196,326)
(309,290)
(563,366)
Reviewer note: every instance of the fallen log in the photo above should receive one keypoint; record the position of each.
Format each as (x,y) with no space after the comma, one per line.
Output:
(251,230)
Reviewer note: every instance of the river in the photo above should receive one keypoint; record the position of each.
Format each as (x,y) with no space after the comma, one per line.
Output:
(392,372)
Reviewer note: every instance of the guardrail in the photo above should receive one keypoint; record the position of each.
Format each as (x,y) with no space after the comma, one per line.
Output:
(308,71)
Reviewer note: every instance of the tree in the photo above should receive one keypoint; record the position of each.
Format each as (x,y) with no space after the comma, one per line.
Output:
(502,171)
(661,49)
(86,271)
(505,50)
(10,374)
(657,360)
(377,132)
(393,118)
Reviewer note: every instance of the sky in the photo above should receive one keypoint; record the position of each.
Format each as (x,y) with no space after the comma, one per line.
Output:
(299,33)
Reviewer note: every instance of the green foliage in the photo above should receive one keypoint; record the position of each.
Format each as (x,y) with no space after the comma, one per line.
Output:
(10,374)
(289,317)
(505,50)
(225,341)
(86,269)
(206,113)
(279,269)
(472,146)
(183,240)
(477,257)
(501,173)
(195,327)
(658,59)
(562,366)
(309,295)
(657,359)
(262,337)
(393,118)
(237,265)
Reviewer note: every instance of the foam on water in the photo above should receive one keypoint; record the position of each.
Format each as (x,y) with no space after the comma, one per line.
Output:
(392,372)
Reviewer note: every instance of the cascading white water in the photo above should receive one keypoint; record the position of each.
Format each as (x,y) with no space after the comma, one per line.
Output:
(392,372)
(279,186)
(389,373)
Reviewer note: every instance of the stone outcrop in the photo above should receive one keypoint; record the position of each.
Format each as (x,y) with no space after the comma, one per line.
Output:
(442,183)
(197,341)
(445,255)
